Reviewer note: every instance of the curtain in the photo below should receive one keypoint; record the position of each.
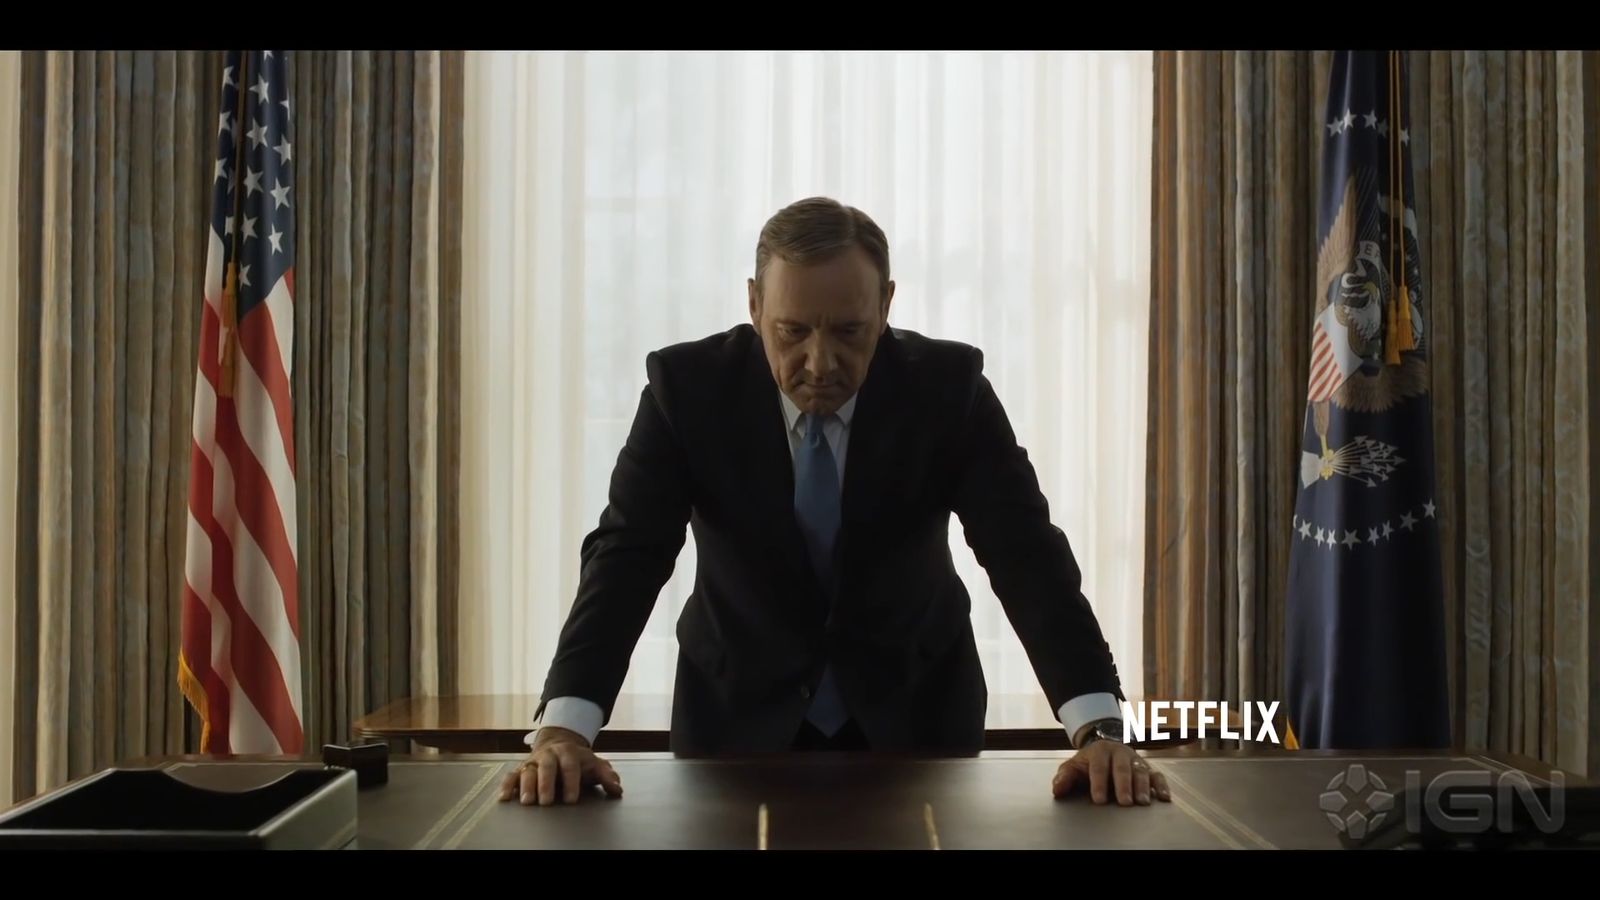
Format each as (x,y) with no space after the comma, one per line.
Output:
(612,205)
(1503,152)
(118,149)
(115,156)
(10,141)
(377,362)
(1502,186)
(1234,203)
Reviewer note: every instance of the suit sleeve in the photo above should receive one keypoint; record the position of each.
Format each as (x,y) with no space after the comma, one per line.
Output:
(626,559)
(1027,558)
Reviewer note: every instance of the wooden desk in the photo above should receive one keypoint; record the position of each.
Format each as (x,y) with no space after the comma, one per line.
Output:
(497,723)
(1221,800)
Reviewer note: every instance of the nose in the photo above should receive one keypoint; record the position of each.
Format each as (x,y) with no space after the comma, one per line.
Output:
(822,360)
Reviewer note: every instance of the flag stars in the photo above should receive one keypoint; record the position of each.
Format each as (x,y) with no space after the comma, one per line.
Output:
(1330,537)
(276,237)
(1383,128)
(280,195)
(227,78)
(1348,121)
(1405,136)
(261,89)
(252,182)
(249,227)
(284,148)
(1371,120)
(244,275)
(258,135)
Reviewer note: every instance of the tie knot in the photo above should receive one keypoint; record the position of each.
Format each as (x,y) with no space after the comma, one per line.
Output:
(814,425)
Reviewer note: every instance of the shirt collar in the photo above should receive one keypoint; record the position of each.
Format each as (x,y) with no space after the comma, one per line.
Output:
(792,413)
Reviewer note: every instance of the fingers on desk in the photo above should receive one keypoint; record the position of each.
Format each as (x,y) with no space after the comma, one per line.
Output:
(1122,779)
(1158,784)
(608,778)
(1068,776)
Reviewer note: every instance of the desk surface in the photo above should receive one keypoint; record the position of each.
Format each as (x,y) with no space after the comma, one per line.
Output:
(1221,800)
(497,723)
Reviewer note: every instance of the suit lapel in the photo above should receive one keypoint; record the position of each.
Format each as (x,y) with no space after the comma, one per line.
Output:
(770,466)
(874,429)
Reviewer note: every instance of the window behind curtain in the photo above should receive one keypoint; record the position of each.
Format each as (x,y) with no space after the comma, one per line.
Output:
(613,202)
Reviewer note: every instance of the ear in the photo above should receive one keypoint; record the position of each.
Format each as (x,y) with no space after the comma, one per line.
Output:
(755,303)
(888,298)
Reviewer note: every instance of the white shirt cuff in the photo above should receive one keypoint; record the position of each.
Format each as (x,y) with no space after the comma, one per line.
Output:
(574,714)
(1086,708)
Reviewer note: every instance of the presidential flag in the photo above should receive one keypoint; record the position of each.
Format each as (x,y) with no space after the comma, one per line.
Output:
(1365,642)
(239,664)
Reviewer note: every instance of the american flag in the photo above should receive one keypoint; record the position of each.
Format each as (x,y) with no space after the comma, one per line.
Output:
(239,664)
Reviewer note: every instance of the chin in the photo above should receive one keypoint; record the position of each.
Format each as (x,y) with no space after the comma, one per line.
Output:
(810,402)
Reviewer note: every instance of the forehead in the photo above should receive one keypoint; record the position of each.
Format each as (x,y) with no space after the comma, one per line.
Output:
(845,284)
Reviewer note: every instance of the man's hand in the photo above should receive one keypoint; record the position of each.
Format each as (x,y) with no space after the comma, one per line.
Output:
(1106,765)
(559,766)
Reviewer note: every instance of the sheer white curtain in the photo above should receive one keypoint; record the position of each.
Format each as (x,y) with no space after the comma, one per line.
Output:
(10,144)
(612,206)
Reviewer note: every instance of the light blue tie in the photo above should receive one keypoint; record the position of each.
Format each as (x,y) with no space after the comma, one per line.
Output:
(816,506)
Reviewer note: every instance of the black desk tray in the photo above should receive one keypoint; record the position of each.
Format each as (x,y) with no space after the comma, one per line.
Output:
(149,809)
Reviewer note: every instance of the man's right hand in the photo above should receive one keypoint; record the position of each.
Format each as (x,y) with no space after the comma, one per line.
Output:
(559,766)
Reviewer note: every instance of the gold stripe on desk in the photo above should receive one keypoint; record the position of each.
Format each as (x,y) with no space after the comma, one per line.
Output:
(477,815)
(1178,784)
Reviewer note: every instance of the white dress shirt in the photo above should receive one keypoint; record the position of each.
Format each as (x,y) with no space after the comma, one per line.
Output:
(586,718)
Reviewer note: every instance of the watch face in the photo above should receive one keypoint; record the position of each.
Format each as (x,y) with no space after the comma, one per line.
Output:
(1111,731)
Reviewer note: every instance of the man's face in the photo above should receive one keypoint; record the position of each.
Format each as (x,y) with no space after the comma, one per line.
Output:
(820,325)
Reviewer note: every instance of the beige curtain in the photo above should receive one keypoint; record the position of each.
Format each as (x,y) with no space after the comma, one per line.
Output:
(1233,195)
(115,170)
(377,346)
(10,142)
(1502,185)
(1504,151)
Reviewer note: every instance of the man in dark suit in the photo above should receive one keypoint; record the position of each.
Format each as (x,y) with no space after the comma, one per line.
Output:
(819,454)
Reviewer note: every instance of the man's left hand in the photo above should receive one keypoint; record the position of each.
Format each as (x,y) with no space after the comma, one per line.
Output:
(1111,769)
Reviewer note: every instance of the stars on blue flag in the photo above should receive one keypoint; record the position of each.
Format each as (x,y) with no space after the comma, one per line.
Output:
(253,187)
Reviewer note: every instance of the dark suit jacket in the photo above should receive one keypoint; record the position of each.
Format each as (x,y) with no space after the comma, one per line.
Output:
(708,448)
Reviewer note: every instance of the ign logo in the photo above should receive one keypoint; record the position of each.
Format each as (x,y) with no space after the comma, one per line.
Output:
(1356,801)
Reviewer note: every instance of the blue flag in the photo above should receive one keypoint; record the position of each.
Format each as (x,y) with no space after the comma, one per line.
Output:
(1365,642)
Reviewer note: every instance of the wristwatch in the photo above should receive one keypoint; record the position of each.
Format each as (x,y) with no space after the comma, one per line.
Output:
(1105,730)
